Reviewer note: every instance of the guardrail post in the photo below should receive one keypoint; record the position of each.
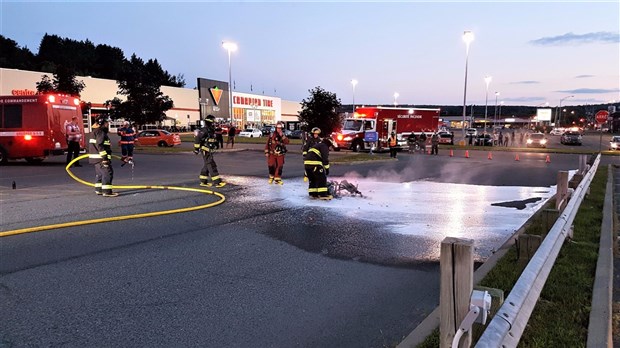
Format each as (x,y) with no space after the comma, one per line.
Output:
(457,282)
(561,195)
(527,245)
(549,217)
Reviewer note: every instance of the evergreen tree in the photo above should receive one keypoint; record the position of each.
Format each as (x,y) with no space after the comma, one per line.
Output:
(320,110)
(14,57)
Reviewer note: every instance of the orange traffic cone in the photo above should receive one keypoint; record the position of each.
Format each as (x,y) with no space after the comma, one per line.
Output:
(451,153)
(490,156)
(516,157)
(466,153)
(548,160)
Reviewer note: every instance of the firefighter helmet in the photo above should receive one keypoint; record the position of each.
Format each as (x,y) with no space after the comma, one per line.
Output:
(315,130)
(101,120)
(211,118)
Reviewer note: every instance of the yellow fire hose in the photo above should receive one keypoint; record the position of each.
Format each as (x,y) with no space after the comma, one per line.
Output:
(122,217)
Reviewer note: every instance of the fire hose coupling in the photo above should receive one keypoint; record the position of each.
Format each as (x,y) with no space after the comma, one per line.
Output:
(479,309)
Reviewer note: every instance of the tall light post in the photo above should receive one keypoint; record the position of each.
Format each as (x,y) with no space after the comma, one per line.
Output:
(230,47)
(487,80)
(495,113)
(559,114)
(354,83)
(396,95)
(468,37)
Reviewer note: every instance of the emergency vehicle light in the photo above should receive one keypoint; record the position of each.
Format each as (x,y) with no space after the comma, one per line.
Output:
(76,101)
(339,137)
(51,98)
(27,137)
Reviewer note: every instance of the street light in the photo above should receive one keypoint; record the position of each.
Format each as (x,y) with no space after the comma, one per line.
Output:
(396,95)
(558,114)
(468,37)
(487,80)
(495,113)
(354,83)
(230,47)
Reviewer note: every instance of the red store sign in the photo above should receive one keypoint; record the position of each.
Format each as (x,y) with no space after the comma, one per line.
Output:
(252,101)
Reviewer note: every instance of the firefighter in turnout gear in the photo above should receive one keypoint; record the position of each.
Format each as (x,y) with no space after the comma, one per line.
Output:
(128,136)
(275,149)
(206,142)
(100,154)
(316,165)
(309,142)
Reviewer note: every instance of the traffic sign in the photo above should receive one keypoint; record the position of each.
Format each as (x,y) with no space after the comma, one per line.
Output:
(601,116)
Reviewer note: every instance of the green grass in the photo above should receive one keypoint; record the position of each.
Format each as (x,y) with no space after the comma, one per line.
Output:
(561,316)
(189,138)
(356,157)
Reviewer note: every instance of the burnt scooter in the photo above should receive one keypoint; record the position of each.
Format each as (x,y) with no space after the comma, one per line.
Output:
(339,189)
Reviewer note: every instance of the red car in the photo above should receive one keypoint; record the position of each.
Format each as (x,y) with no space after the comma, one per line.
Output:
(157,137)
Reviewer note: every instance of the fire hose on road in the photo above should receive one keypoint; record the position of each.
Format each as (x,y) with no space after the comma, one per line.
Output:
(221,200)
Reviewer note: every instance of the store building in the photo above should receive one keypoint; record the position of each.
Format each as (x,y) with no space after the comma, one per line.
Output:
(190,105)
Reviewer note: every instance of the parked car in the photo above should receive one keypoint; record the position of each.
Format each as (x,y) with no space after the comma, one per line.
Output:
(296,134)
(536,140)
(557,131)
(483,140)
(471,132)
(571,138)
(251,133)
(157,137)
(614,143)
(446,138)
(268,130)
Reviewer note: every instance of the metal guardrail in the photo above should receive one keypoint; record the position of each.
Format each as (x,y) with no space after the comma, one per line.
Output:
(507,326)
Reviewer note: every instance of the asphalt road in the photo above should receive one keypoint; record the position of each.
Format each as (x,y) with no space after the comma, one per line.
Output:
(245,273)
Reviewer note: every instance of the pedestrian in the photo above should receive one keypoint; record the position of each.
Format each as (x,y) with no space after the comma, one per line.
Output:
(74,135)
(232,132)
(128,136)
(206,143)
(219,137)
(316,165)
(500,139)
(393,144)
(423,142)
(521,138)
(275,149)
(411,142)
(100,154)
(435,143)
(512,138)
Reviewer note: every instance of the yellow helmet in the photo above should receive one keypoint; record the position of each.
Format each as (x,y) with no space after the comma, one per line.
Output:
(315,130)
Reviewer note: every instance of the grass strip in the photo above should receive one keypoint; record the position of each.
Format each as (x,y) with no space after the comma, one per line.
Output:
(561,315)
(189,138)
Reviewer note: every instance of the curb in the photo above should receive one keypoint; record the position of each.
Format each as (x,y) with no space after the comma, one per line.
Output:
(600,325)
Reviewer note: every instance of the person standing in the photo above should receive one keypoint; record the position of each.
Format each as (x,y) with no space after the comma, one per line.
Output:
(219,137)
(232,131)
(308,142)
(74,135)
(435,143)
(393,144)
(128,136)
(275,149)
(100,154)
(423,141)
(316,165)
(412,141)
(206,142)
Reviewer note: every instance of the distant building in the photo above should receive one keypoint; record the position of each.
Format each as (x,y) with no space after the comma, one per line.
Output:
(248,109)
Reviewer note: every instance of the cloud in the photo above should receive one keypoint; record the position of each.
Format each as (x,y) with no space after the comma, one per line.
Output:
(590,91)
(576,39)
(583,76)
(527,82)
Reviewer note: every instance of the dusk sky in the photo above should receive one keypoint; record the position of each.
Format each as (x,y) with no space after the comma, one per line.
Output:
(536,52)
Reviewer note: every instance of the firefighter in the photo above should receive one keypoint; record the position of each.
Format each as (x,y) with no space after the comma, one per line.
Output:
(316,165)
(309,142)
(206,142)
(100,154)
(275,149)
(128,136)
(393,144)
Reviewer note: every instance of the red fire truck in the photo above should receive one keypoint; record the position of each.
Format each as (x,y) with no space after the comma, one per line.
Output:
(381,121)
(33,127)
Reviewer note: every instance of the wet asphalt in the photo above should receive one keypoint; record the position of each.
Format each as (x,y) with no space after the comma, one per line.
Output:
(253,271)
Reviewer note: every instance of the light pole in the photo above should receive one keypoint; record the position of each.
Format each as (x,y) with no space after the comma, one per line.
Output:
(230,47)
(560,110)
(495,113)
(396,95)
(487,80)
(354,83)
(500,109)
(468,37)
